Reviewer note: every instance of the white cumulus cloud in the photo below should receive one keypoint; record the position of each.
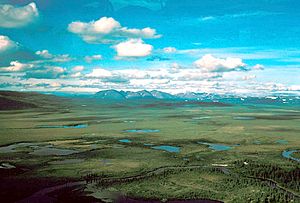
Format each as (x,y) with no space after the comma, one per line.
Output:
(169,50)
(99,73)
(46,72)
(6,43)
(107,30)
(16,66)
(209,63)
(76,75)
(13,17)
(258,67)
(249,77)
(90,59)
(48,57)
(44,54)
(133,48)
(78,68)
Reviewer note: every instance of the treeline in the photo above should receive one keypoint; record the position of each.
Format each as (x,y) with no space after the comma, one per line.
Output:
(233,186)
(266,193)
(103,180)
(287,178)
(230,187)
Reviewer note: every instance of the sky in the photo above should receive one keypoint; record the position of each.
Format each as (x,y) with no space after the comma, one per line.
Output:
(248,47)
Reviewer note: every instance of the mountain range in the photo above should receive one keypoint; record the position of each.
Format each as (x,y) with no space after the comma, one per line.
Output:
(144,94)
(10,100)
(193,96)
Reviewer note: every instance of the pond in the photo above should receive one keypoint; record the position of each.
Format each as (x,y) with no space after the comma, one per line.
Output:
(142,131)
(76,126)
(216,147)
(50,150)
(13,147)
(129,121)
(281,142)
(244,118)
(106,161)
(167,148)
(125,141)
(147,144)
(201,117)
(289,154)
(7,166)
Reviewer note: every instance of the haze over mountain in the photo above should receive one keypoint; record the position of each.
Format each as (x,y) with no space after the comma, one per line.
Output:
(11,100)
(193,96)
(144,94)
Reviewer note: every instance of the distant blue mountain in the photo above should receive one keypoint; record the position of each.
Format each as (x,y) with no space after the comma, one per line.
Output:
(144,94)
(163,95)
(193,96)
(111,95)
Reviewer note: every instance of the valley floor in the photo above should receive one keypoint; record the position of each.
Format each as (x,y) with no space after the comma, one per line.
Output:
(94,151)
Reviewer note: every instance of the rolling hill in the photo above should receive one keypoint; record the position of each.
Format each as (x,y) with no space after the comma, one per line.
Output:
(11,100)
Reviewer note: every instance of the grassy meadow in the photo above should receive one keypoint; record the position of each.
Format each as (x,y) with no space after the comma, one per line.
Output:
(83,139)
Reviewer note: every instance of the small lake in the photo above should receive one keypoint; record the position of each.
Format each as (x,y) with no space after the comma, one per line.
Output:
(129,121)
(106,161)
(39,149)
(281,142)
(216,147)
(7,166)
(50,150)
(125,141)
(147,145)
(244,118)
(76,126)
(167,148)
(201,118)
(142,131)
(13,147)
(289,154)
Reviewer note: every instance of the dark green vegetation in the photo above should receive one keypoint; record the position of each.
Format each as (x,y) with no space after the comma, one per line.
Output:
(77,140)
(18,100)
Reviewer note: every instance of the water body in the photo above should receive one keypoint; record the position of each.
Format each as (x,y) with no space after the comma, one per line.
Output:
(49,150)
(129,121)
(13,147)
(216,147)
(146,144)
(6,166)
(76,126)
(125,141)
(244,118)
(142,131)
(167,148)
(106,161)
(201,118)
(281,142)
(289,155)
(117,146)
(67,161)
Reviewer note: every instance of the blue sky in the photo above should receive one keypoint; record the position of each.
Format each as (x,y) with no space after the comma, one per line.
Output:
(233,46)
